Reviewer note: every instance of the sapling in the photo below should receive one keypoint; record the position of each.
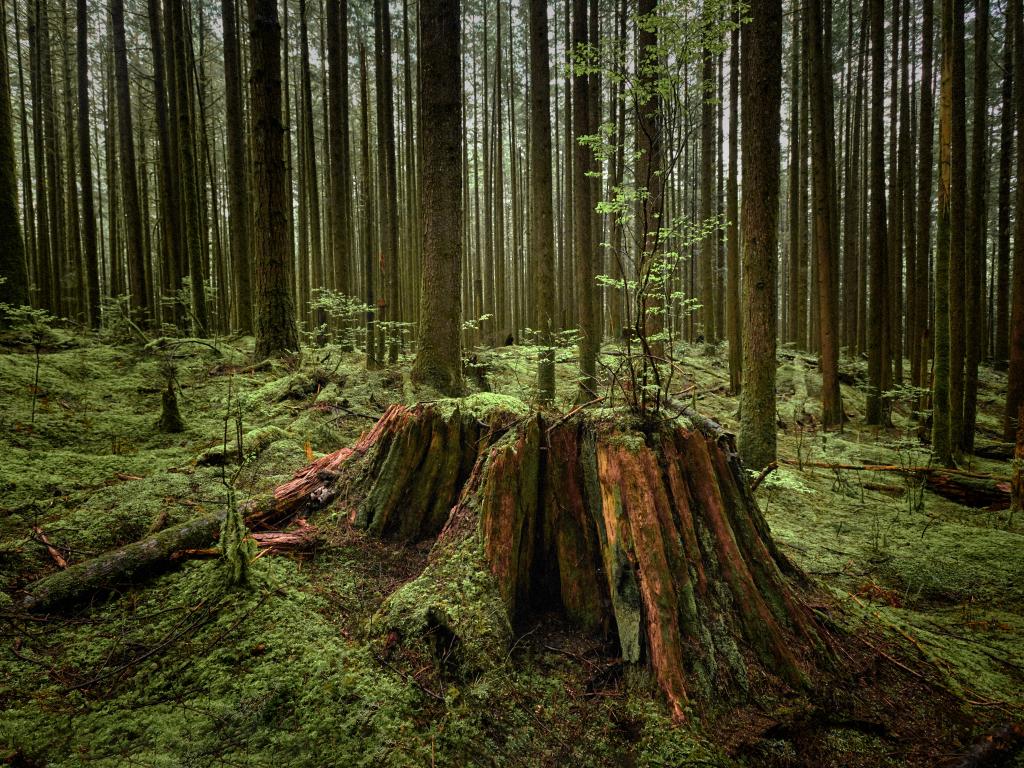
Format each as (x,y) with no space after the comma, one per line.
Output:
(37,326)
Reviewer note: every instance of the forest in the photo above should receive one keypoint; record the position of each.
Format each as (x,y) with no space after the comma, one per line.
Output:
(512,383)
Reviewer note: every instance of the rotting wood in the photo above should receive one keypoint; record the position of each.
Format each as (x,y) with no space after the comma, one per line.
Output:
(972,489)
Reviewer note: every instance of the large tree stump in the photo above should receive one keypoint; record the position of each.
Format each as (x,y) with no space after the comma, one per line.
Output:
(649,536)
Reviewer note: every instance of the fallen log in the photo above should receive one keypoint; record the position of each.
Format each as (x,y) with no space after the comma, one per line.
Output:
(121,565)
(310,489)
(995,451)
(972,489)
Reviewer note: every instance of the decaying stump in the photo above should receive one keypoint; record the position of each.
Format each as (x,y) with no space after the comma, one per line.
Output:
(649,537)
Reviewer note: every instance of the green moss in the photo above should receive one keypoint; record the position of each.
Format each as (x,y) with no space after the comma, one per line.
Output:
(454,609)
(482,405)
(254,442)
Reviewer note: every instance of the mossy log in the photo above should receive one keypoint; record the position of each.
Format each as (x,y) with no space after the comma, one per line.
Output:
(121,565)
(649,537)
(310,489)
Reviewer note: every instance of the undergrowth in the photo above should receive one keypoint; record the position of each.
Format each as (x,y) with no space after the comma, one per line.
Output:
(286,669)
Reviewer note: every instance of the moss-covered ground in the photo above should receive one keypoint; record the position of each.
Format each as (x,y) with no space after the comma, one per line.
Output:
(182,669)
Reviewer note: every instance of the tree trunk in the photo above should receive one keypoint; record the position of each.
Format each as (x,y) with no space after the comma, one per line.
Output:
(388,185)
(237,178)
(541,215)
(878,359)
(582,212)
(337,144)
(707,193)
(1015,385)
(129,178)
(13,267)
(943,396)
(732,214)
(92,276)
(820,61)
(926,130)
(976,229)
(762,85)
(439,353)
(954,15)
(1001,354)
(275,316)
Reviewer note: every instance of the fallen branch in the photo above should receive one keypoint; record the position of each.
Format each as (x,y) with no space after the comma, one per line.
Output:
(763,474)
(58,558)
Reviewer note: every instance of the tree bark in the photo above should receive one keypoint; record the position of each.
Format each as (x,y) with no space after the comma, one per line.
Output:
(541,213)
(732,214)
(583,208)
(878,358)
(13,267)
(1015,384)
(275,316)
(129,177)
(976,229)
(820,69)
(238,180)
(761,62)
(439,353)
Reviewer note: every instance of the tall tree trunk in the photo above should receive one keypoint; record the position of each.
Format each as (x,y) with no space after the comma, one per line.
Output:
(761,63)
(170,211)
(337,144)
(541,214)
(238,180)
(369,229)
(926,131)
(188,175)
(1015,385)
(439,353)
(583,210)
(976,226)
(820,69)
(796,310)
(310,181)
(852,202)
(129,179)
(878,359)
(13,267)
(943,441)
(43,270)
(1002,299)
(388,182)
(707,192)
(957,221)
(733,307)
(275,315)
(92,271)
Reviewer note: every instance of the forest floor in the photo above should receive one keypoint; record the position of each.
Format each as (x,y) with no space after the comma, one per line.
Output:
(182,669)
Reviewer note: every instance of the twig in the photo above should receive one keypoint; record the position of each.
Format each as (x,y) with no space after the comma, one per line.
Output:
(763,474)
(575,410)
(54,553)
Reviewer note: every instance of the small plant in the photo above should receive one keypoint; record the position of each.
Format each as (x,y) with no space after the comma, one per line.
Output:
(237,547)
(36,326)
